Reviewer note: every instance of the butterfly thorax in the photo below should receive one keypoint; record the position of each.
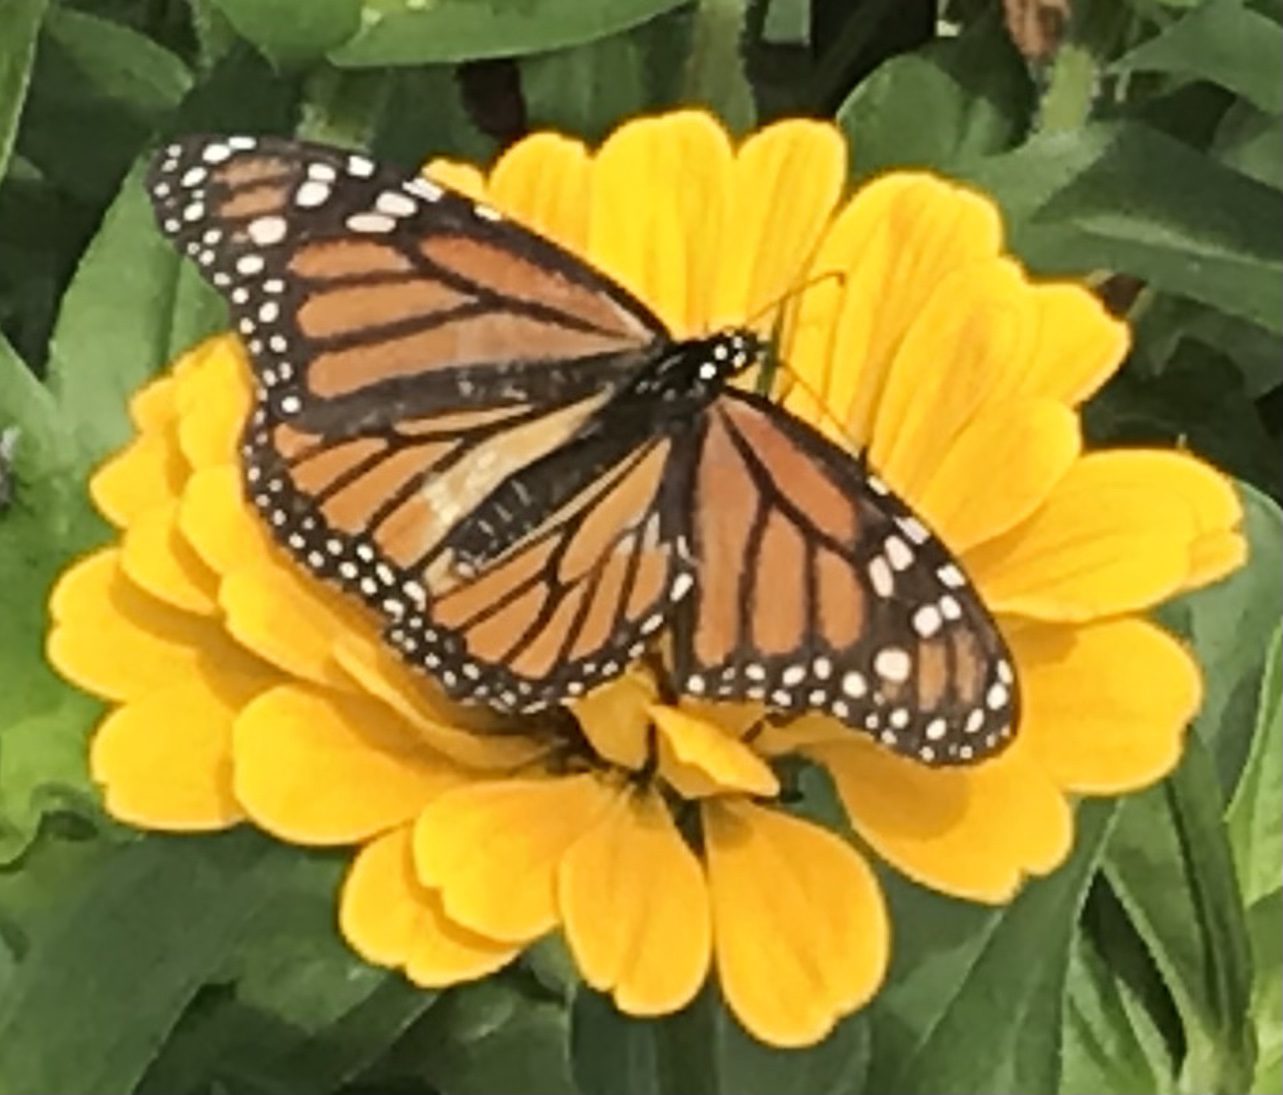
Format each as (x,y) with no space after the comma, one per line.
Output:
(689,374)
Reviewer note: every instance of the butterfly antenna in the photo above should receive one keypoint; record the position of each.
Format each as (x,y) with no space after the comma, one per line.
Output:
(821,408)
(795,291)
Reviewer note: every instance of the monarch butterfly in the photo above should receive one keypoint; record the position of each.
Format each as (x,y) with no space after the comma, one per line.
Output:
(511,461)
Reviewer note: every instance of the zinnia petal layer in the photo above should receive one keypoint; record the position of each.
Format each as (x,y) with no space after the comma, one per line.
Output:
(316,767)
(1105,706)
(391,919)
(800,929)
(525,827)
(634,906)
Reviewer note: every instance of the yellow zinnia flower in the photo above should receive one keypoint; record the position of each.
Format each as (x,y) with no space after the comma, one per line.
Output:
(650,833)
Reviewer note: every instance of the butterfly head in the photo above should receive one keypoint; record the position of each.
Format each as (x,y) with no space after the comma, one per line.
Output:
(727,353)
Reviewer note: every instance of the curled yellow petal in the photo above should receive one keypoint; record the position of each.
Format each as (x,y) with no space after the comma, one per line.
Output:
(800,930)
(660,198)
(785,183)
(1002,465)
(287,620)
(972,832)
(115,641)
(159,560)
(318,767)
(1116,534)
(148,472)
(428,713)
(543,182)
(152,407)
(213,401)
(723,762)
(634,906)
(214,519)
(463,177)
(493,849)
(391,919)
(615,718)
(1105,706)
(893,243)
(164,760)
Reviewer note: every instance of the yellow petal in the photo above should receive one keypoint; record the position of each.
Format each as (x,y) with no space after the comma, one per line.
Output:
(318,767)
(785,183)
(963,352)
(797,734)
(115,641)
(634,906)
(463,177)
(1078,346)
(148,472)
(615,718)
(156,558)
(152,407)
(287,620)
(391,919)
(1213,556)
(424,708)
(1105,706)
(492,849)
(214,519)
(725,762)
(1115,535)
(894,242)
(213,402)
(164,760)
(543,182)
(660,198)
(999,469)
(799,926)
(970,832)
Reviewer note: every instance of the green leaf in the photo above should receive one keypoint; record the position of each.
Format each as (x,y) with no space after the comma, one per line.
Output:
(42,720)
(953,102)
(702,1050)
(1263,920)
(293,33)
(155,926)
(588,90)
(99,90)
(294,1006)
(122,318)
(1226,43)
(973,1001)
(400,32)
(715,75)
(1202,230)
(1111,1043)
(1169,862)
(1231,625)
(479,1039)
(1255,814)
(21,20)
(1251,141)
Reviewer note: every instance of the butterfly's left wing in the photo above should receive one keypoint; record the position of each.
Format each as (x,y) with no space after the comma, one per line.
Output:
(818,590)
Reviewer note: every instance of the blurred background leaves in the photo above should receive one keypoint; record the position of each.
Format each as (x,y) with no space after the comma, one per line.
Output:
(1135,143)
